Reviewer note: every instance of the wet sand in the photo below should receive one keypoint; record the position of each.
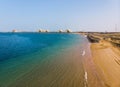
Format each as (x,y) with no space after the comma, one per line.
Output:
(93,75)
(107,61)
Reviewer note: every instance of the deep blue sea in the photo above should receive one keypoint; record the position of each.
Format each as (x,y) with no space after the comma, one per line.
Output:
(26,56)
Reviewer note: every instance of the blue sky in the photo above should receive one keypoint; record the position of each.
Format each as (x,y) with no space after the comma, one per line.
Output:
(77,15)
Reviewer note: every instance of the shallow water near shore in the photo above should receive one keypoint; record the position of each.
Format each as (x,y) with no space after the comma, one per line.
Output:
(41,60)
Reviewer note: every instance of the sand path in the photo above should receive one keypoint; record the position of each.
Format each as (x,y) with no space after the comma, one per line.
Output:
(107,60)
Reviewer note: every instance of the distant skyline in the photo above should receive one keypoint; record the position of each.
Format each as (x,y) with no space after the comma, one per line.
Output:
(77,15)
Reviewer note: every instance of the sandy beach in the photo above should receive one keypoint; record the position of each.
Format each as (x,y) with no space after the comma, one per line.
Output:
(77,64)
(106,58)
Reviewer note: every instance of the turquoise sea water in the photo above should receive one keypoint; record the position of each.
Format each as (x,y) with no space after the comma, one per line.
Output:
(26,58)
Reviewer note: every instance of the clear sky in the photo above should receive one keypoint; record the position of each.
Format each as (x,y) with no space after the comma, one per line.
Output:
(77,15)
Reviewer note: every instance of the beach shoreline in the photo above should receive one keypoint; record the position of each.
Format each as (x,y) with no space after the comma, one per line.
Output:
(93,75)
(77,63)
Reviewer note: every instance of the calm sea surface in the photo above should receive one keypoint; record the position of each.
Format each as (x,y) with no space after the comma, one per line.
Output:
(41,60)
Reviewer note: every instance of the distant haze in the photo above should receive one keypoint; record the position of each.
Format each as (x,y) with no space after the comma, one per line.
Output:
(77,15)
